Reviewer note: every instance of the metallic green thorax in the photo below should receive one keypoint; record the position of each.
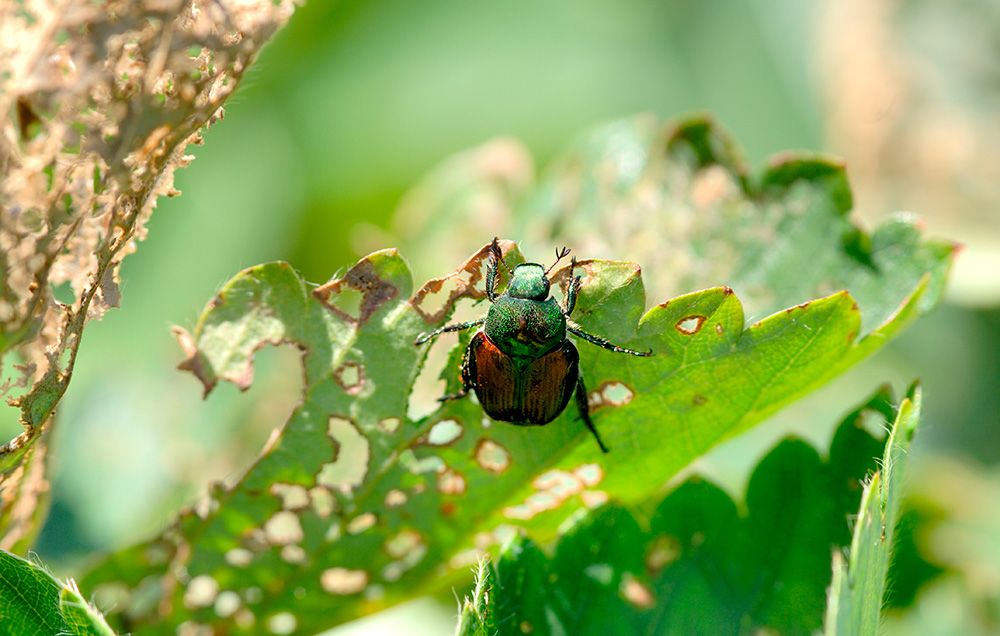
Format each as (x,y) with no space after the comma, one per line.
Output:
(525,321)
(529,282)
(529,328)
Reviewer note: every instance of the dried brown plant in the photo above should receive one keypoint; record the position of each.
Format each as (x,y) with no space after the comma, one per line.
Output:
(99,103)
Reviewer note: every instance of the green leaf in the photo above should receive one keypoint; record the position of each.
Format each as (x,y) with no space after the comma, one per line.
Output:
(360,500)
(678,198)
(478,617)
(701,563)
(859,582)
(32,601)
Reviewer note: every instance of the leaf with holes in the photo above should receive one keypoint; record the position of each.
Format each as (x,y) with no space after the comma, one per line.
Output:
(34,602)
(362,499)
(700,563)
(860,580)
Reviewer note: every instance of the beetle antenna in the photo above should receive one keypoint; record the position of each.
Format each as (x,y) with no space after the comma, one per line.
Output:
(561,253)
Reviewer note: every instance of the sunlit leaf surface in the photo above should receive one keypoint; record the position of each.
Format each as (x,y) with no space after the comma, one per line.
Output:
(700,563)
(361,500)
(36,603)
(860,578)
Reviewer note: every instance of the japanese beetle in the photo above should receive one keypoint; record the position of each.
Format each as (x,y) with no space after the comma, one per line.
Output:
(520,363)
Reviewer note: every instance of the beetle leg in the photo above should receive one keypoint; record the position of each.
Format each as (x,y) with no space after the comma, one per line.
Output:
(467,383)
(574,329)
(573,289)
(491,269)
(581,403)
(458,326)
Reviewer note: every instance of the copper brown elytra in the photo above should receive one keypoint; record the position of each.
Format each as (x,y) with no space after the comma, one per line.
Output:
(520,363)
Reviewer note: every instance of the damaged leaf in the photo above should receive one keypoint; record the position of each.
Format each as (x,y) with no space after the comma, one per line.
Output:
(361,498)
(95,122)
(34,602)
(354,505)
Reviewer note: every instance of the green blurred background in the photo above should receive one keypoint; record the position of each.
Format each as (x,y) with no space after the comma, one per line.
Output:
(354,101)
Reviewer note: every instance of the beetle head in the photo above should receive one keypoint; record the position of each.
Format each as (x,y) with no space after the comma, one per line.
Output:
(529,281)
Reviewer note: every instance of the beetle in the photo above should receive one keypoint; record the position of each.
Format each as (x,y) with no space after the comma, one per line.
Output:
(520,363)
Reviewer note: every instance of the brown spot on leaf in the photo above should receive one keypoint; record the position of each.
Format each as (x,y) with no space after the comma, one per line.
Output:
(690,325)
(362,278)
(699,400)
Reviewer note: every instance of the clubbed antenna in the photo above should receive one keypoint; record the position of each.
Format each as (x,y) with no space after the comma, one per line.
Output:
(561,253)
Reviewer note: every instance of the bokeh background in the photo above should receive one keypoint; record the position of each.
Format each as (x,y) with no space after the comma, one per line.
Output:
(355,100)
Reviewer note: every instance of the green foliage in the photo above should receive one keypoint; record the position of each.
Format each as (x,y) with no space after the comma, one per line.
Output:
(34,602)
(959,532)
(700,563)
(859,584)
(360,501)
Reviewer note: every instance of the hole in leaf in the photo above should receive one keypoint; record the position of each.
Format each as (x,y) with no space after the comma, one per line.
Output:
(492,456)
(348,470)
(636,593)
(292,496)
(293,554)
(451,482)
(594,498)
(438,295)
(395,498)
(351,377)
(323,502)
(559,483)
(283,528)
(63,293)
(201,592)
(444,432)
(282,623)
(589,474)
(403,543)
(361,523)
(389,425)
(358,295)
(343,581)
(431,463)
(239,557)
(227,603)
(690,325)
